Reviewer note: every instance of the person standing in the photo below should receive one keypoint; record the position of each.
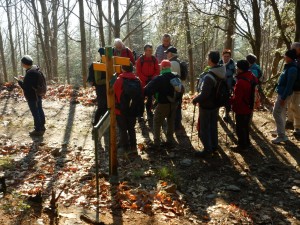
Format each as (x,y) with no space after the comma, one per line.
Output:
(146,69)
(229,64)
(284,90)
(121,50)
(127,108)
(242,103)
(163,89)
(98,79)
(254,67)
(29,86)
(294,104)
(160,53)
(208,109)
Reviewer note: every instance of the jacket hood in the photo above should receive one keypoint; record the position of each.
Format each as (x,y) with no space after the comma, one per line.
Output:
(127,75)
(219,71)
(248,74)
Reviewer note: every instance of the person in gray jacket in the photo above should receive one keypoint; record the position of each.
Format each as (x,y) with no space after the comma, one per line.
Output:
(208,108)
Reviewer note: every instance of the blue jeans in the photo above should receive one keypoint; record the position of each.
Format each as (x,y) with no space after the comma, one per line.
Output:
(208,132)
(38,114)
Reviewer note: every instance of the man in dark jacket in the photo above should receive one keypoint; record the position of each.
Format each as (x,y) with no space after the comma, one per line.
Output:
(166,108)
(241,103)
(208,109)
(98,79)
(29,85)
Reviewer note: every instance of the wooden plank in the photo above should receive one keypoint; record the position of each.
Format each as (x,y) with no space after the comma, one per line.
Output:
(121,61)
(103,59)
(117,68)
(99,67)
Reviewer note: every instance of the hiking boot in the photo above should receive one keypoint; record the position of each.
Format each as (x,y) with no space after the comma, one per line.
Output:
(36,133)
(203,153)
(238,148)
(149,115)
(279,139)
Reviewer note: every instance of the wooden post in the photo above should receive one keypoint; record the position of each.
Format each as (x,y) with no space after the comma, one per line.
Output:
(113,170)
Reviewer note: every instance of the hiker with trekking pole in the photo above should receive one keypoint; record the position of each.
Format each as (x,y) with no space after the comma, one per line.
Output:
(209,105)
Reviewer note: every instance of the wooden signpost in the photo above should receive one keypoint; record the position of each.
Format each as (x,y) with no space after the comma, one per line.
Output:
(111,64)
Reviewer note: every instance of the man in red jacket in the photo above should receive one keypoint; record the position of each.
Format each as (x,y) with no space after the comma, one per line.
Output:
(128,100)
(121,50)
(242,104)
(146,69)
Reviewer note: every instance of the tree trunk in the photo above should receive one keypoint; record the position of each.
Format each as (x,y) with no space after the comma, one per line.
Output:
(66,25)
(117,29)
(101,27)
(11,41)
(109,23)
(297,20)
(53,38)
(257,29)
(3,63)
(190,46)
(18,38)
(83,44)
(46,26)
(230,25)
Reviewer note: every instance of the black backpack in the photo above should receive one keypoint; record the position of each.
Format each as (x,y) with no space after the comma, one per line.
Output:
(131,100)
(41,87)
(222,92)
(178,89)
(184,69)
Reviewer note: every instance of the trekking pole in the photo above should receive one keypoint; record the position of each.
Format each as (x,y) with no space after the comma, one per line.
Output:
(193,122)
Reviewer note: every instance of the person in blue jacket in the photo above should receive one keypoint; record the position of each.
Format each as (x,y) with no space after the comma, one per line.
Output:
(284,90)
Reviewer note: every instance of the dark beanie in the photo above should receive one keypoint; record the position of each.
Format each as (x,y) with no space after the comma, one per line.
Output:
(243,65)
(128,68)
(292,54)
(101,51)
(27,60)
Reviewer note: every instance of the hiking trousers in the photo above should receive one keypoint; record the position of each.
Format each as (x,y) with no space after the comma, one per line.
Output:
(243,129)
(127,133)
(38,115)
(162,111)
(279,114)
(208,132)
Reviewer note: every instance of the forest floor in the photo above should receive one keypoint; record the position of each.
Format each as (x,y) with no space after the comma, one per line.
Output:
(51,180)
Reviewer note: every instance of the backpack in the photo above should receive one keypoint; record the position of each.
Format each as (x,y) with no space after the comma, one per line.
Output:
(41,88)
(254,102)
(184,70)
(131,100)
(178,89)
(222,92)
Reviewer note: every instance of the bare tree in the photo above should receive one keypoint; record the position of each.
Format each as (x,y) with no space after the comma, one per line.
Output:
(83,43)
(100,22)
(297,20)
(3,62)
(11,40)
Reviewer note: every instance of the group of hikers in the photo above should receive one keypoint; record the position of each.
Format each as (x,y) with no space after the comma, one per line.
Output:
(151,89)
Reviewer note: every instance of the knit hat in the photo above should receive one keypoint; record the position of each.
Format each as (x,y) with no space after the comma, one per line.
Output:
(171,49)
(251,58)
(27,60)
(127,68)
(165,64)
(243,65)
(101,51)
(292,54)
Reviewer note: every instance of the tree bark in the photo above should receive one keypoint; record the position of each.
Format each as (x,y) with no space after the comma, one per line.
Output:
(230,25)
(109,23)
(190,46)
(101,27)
(11,41)
(117,29)
(297,20)
(3,62)
(257,29)
(66,25)
(83,44)
(53,39)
